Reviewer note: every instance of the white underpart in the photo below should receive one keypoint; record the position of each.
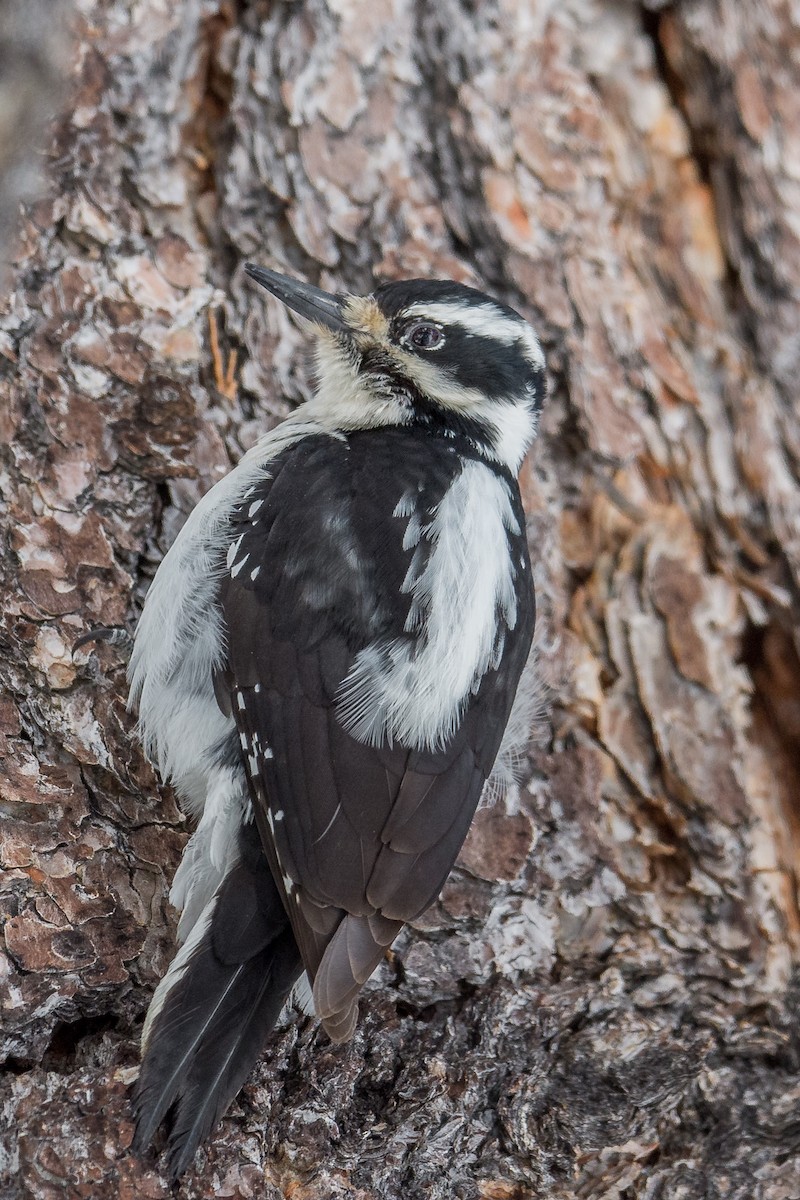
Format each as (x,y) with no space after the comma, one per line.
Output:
(485,320)
(179,637)
(416,694)
(212,849)
(178,644)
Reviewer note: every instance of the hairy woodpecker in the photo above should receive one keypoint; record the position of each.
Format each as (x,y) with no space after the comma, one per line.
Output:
(325,668)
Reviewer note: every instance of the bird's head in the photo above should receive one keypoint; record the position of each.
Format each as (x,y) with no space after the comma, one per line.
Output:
(430,353)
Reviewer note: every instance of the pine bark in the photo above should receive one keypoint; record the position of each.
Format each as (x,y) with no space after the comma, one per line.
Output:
(604,1002)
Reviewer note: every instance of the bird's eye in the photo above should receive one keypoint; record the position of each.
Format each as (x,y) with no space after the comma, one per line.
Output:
(424,336)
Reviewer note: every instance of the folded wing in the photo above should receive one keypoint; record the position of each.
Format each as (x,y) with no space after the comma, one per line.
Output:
(360,836)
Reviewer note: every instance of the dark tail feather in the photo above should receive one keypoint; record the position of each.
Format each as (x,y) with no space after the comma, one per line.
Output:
(210,1028)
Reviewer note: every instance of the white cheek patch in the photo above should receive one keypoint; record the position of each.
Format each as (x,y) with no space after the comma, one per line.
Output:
(431,380)
(415,690)
(512,422)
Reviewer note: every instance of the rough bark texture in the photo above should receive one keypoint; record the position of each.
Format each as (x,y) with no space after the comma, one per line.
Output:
(602,1004)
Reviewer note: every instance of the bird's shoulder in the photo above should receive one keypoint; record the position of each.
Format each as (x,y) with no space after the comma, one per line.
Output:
(339,532)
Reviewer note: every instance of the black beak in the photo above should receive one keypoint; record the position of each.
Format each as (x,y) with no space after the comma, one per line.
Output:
(310,302)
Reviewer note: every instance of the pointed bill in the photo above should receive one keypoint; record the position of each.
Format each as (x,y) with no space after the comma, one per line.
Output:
(310,302)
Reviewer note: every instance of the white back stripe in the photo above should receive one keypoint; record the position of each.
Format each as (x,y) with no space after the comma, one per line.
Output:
(417,694)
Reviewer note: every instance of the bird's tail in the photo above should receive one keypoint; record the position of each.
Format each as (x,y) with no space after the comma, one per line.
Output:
(213,1010)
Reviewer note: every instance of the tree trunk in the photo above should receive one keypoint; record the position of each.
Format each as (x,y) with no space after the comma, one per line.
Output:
(602,1003)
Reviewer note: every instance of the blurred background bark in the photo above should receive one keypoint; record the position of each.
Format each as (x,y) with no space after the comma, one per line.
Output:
(603,1003)
(34,63)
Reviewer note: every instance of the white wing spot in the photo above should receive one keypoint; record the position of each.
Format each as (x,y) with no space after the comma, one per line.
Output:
(279,814)
(257,689)
(254,507)
(243,740)
(233,550)
(240,704)
(236,569)
(268,753)
(254,573)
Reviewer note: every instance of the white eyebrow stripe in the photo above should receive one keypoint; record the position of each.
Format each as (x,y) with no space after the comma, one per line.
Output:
(485,320)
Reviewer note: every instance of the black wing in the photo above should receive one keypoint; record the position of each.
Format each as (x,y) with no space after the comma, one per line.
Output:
(359,838)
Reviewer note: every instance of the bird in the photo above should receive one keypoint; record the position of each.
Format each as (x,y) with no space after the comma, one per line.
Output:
(325,668)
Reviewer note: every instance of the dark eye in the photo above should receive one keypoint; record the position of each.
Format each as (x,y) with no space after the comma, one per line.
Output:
(424,336)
